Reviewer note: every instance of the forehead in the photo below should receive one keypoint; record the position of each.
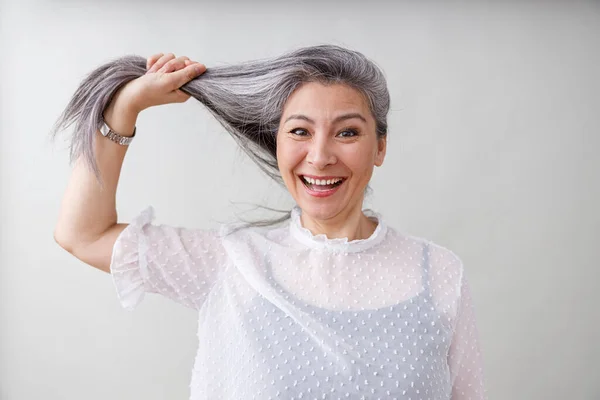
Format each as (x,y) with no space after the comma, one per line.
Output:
(318,100)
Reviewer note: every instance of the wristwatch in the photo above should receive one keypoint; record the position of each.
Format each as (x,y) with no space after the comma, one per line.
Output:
(114,136)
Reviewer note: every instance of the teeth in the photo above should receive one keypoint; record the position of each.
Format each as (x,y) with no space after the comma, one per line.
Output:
(321,181)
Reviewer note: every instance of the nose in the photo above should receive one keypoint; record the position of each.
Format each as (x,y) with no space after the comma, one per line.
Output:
(321,153)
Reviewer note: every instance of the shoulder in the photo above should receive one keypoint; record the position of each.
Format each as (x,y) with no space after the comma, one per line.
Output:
(436,252)
(441,259)
(238,232)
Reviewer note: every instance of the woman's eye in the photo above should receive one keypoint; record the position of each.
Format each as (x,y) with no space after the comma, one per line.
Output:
(298,132)
(347,133)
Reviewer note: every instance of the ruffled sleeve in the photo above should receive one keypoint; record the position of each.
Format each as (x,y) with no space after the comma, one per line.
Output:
(178,263)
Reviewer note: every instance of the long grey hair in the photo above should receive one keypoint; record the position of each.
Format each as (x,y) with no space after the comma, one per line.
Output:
(246,98)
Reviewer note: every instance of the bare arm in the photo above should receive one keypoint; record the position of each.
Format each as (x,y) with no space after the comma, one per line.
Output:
(87,225)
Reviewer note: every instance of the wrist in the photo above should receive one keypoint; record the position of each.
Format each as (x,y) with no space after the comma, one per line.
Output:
(121,116)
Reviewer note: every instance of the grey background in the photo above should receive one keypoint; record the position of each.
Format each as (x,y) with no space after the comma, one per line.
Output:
(493,152)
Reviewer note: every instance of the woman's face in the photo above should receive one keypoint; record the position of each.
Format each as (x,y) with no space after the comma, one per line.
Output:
(326,149)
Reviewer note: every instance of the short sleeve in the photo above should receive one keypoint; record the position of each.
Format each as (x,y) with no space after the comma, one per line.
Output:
(464,358)
(178,263)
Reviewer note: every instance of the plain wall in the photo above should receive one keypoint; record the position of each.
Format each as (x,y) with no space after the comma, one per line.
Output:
(494,142)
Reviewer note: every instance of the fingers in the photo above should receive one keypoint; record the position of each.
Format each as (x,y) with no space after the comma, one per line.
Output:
(183,76)
(161,62)
(166,63)
(152,59)
(174,65)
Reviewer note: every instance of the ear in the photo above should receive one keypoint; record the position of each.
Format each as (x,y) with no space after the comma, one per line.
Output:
(381,148)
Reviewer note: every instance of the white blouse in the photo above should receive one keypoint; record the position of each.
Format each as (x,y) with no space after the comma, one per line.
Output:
(285,314)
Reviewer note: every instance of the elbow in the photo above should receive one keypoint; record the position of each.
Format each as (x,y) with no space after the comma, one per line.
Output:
(62,239)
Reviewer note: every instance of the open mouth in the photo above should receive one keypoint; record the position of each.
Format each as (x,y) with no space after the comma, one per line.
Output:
(321,185)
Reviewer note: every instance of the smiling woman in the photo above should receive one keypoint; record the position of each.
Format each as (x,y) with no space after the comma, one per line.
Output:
(331,303)
(327,147)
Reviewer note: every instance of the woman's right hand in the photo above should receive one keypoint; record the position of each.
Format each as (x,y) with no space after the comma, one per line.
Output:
(160,85)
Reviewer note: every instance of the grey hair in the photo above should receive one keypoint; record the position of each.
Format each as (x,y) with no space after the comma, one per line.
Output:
(246,98)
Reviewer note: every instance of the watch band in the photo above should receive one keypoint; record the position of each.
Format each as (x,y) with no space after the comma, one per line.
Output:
(106,131)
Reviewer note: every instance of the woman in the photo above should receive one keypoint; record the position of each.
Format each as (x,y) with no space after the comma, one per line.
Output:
(330,303)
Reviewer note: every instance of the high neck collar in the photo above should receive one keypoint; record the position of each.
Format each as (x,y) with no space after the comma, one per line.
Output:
(321,241)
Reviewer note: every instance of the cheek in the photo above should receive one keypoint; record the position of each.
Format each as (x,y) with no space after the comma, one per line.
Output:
(359,160)
(288,157)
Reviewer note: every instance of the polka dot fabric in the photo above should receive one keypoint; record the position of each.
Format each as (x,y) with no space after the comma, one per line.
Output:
(285,314)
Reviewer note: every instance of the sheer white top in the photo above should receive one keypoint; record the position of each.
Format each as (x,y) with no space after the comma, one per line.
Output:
(285,314)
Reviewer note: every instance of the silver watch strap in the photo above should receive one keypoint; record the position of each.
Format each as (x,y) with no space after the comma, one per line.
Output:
(114,136)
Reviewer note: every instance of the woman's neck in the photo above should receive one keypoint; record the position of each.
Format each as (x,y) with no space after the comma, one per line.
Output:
(353,225)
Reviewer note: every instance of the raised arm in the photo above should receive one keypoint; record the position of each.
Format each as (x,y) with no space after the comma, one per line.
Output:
(87,226)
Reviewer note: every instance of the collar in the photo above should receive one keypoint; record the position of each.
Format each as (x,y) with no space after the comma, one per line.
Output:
(321,241)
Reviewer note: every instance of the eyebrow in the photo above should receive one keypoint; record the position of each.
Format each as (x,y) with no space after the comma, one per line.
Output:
(337,119)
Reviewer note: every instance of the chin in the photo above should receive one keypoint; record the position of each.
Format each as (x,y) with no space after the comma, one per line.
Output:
(320,211)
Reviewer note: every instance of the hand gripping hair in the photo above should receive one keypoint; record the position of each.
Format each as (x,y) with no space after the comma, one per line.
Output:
(246,98)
